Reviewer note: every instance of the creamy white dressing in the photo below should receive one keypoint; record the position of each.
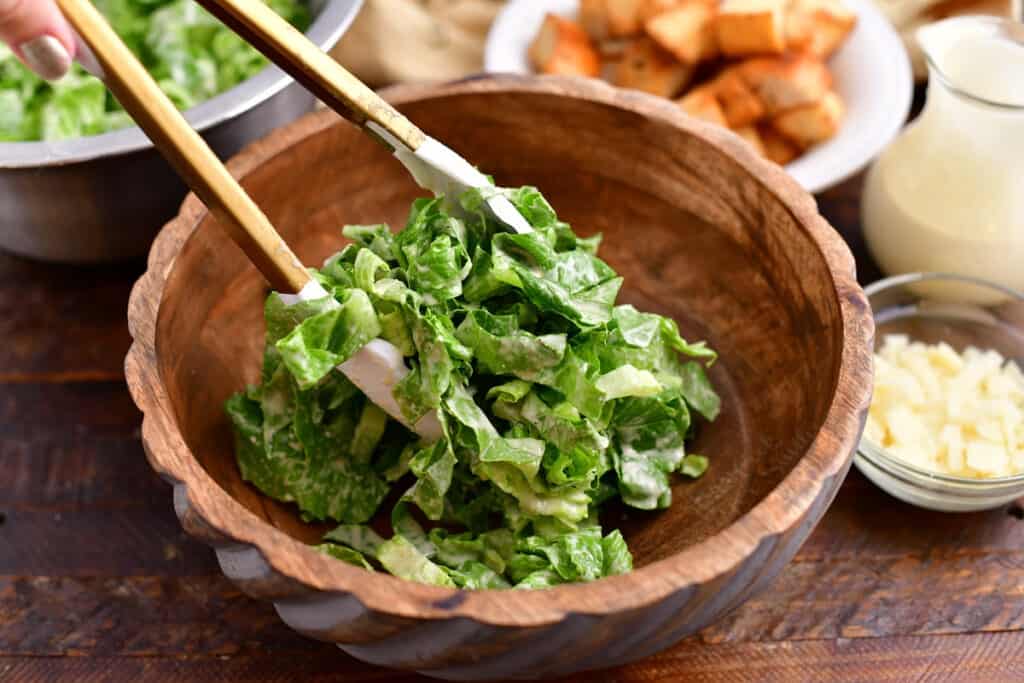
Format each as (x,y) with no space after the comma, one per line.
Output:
(946,196)
(639,477)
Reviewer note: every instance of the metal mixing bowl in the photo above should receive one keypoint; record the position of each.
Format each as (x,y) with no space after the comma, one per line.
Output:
(103,198)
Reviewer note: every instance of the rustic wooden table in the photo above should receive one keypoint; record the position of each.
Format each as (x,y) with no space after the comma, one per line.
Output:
(99,583)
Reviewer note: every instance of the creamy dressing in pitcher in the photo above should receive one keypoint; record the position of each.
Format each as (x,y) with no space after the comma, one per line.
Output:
(948,195)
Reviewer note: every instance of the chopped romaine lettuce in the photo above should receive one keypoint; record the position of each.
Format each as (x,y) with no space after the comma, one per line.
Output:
(191,55)
(551,398)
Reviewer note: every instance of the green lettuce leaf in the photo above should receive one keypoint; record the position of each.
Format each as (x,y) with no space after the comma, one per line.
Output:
(693,466)
(403,559)
(500,348)
(358,537)
(345,554)
(552,400)
(575,556)
(405,525)
(626,381)
(433,467)
(617,558)
(322,342)
(191,55)
(543,578)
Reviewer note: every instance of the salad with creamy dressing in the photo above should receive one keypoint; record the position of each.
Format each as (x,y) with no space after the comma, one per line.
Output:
(552,401)
(191,54)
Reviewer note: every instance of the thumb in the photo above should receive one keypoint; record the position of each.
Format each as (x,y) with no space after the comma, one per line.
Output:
(38,34)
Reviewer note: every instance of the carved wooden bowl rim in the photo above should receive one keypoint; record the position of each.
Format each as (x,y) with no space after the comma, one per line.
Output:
(782,508)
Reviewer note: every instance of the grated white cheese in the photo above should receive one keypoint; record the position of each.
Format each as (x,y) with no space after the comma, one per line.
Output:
(948,412)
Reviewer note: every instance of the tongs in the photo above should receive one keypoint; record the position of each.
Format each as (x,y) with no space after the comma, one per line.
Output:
(378,366)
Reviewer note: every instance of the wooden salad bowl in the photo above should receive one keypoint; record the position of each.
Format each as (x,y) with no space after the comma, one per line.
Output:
(702,229)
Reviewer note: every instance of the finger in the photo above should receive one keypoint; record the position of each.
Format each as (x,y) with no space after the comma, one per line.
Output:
(38,34)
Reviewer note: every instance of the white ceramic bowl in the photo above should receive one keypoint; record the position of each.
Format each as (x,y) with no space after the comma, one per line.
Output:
(872,75)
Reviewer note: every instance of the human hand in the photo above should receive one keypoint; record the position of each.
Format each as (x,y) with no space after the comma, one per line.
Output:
(38,34)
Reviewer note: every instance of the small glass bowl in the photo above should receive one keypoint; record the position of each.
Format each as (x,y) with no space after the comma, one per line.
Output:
(962,311)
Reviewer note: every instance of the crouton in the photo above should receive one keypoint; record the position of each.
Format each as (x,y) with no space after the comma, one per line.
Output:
(593,17)
(611,18)
(702,104)
(647,67)
(652,8)
(609,70)
(740,104)
(818,26)
(776,147)
(686,31)
(813,123)
(613,48)
(751,136)
(751,27)
(624,17)
(563,47)
(786,82)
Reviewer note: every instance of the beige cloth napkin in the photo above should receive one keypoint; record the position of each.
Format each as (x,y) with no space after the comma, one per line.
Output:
(395,41)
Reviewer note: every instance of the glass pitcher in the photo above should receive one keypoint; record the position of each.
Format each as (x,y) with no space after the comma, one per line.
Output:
(948,194)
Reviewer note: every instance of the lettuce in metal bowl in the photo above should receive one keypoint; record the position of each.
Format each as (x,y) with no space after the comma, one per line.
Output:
(190,53)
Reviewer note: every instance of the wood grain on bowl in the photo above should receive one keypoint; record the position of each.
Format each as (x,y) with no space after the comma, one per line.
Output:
(701,229)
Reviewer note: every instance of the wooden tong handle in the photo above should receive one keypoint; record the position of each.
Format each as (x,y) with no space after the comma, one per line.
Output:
(186,151)
(289,49)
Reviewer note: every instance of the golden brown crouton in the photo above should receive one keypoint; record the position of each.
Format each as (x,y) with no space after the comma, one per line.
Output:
(818,26)
(686,31)
(813,123)
(624,17)
(751,27)
(563,47)
(750,134)
(647,67)
(609,69)
(613,48)
(594,18)
(776,147)
(701,103)
(786,82)
(740,104)
(611,18)
(651,8)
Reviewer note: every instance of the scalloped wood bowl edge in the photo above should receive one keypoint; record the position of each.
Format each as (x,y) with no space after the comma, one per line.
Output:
(472,635)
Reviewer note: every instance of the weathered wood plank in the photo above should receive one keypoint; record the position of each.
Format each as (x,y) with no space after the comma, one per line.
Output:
(812,600)
(137,616)
(326,665)
(994,658)
(74,410)
(111,542)
(873,598)
(63,323)
(868,524)
(66,472)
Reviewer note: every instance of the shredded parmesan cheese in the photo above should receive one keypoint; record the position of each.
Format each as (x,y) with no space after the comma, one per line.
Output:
(949,412)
